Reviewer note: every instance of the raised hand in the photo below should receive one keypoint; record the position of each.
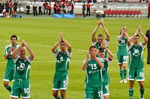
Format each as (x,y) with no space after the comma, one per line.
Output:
(139,29)
(61,36)
(101,23)
(24,43)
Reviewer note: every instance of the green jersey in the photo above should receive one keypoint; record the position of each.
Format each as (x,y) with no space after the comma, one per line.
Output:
(22,68)
(122,47)
(10,62)
(62,61)
(136,56)
(98,46)
(105,70)
(93,74)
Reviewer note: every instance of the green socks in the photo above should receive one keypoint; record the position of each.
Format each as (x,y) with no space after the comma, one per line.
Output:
(122,74)
(131,93)
(8,88)
(125,73)
(142,93)
(58,97)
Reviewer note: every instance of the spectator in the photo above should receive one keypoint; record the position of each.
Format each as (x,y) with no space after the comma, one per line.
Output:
(63,6)
(10,7)
(7,8)
(54,7)
(40,8)
(0,7)
(15,7)
(72,8)
(28,7)
(4,11)
(83,9)
(67,7)
(57,8)
(148,46)
(88,9)
(35,8)
(13,11)
(49,8)
(124,1)
(148,10)
(45,7)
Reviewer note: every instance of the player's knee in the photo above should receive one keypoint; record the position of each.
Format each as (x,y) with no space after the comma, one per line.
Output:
(13,98)
(142,86)
(5,84)
(63,94)
(55,94)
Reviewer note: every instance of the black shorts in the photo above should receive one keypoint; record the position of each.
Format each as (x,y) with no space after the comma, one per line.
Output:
(7,10)
(15,9)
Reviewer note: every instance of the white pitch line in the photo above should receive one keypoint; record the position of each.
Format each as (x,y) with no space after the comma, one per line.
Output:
(74,61)
(47,46)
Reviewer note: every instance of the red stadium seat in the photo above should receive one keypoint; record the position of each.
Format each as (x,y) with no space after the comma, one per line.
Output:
(106,12)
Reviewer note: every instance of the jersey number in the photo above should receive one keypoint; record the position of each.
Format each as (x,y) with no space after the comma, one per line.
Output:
(93,66)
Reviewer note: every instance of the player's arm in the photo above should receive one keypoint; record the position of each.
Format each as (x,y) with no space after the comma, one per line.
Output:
(132,37)
(86,62)
(120,37)
(68,45)
(94,32)
(31,57)
(53,49)
(127,36)
(16,51)
(106,31)
(8,53)
(143,36)
(109,53)
(66,42)
(98,62)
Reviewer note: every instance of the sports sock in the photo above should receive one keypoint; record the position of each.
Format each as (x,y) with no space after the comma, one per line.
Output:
(125,73)
(121,74)
(131,93)
(8,88)
(142,92)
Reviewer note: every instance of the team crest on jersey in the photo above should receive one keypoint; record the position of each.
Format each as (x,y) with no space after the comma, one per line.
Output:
(123,42)
(21,67)
(136,52)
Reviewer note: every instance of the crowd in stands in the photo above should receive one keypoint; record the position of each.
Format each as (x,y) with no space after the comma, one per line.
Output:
(39,8)
(8,8)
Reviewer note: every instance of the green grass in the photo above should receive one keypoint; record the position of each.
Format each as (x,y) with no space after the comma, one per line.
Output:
(42,33)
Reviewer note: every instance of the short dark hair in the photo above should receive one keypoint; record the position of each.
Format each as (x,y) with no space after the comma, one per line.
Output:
(100,35)
(137,35)
(13,36)
(148,32)
(92,47)
(101,50)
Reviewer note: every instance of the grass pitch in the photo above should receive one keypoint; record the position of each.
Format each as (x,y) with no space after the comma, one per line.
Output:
(42,33)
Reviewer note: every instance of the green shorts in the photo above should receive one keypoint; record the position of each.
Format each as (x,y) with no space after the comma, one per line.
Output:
(21,87)
(8,75)
(136,73)
(105,89)
(60,81)
(122,59)
(93,92)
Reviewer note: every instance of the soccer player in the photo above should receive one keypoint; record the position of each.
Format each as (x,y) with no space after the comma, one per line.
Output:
(136,64)
(100,39)
(9,72)
(122,53)
(105,72)
(21,85)
(93,81)
(60,80)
